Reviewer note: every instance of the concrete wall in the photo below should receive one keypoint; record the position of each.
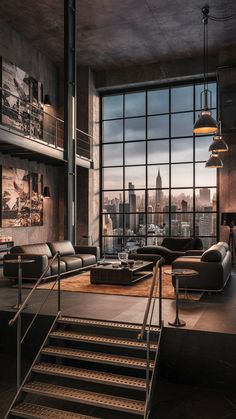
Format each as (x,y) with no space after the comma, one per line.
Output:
(49,230)
(15,48)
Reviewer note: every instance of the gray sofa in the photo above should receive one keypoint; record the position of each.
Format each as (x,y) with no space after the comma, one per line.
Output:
(213,267)
(73,259)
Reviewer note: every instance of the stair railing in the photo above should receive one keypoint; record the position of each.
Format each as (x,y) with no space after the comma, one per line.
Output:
(146,329)
(17,316)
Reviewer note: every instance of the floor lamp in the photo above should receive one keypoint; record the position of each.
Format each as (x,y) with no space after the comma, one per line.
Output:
(229,219)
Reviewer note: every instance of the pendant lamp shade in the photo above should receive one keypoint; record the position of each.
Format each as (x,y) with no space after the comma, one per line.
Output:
(46,192)
(214,162)
(218,145)
(205,124)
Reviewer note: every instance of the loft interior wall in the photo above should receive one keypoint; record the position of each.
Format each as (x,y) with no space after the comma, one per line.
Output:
(15,48)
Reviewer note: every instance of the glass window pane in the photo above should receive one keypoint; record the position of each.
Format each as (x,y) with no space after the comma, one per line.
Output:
(182,150)
(113,178)
(135,175)
(158,101)
(135,129)
(135,104)
(205,199)
(112,244)
(181,224)
(158,126)
(158,151)
(111,201)
(157,241)
(134,200)
(135,153)
(158,200)
(204,176)
(112,224)
(113,131)
(182,124)
(182,199)
(181,175)
(208,242)
(112,107)
(157,225)
(135,224)
(201,147)
(182,99)
(205,224)
(158,176)
(133,242)
(113,155)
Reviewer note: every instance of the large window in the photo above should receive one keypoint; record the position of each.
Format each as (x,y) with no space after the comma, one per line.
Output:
(154,180)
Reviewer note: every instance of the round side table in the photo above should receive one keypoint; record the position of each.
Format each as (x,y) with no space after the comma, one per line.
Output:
(19,261)
(177,273)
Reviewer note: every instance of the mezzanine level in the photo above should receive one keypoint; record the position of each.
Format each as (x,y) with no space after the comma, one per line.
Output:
(29,132)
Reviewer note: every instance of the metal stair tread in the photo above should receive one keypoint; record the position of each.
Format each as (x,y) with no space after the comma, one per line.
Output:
(30,411)
(90,375)
(72,335)
(104,323)
(85,397)
(119,360)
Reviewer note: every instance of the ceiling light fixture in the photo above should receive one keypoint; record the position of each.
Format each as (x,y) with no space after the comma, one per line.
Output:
(205,124)
(218,145)
(214,162)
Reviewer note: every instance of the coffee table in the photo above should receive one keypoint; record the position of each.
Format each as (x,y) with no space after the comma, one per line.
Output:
(106,274)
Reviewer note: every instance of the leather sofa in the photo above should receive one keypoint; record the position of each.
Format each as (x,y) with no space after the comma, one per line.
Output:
(213,267)
(171,248)
(73,259)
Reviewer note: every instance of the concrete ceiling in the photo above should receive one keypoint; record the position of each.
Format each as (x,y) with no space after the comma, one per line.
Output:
(113,33)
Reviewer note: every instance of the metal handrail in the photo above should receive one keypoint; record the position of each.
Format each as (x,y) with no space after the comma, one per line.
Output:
(17,316)
(147,311)
(23,305)
(31,106)
(146,326)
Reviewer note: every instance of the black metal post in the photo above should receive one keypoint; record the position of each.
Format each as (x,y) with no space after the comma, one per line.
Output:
(18,354)
(160,296)
(70,118)
(177,322)
(59,283)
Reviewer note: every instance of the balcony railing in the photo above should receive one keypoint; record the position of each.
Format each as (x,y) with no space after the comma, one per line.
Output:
(31,121)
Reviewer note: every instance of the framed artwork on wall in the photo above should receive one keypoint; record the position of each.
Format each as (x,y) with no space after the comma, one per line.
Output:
(21,198)
(21,100)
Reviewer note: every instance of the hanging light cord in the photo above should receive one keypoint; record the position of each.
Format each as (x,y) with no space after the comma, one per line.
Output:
(215,18)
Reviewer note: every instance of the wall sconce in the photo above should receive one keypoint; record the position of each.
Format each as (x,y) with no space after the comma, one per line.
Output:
(46,192)
(47,101)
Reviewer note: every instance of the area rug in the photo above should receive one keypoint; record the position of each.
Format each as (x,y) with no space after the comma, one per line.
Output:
(81,283)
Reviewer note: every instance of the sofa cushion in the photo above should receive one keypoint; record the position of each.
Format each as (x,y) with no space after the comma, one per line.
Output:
(72,262)
(63,246)
(36,249)
(176,243)
(87,259)
(54,267)
(215,253)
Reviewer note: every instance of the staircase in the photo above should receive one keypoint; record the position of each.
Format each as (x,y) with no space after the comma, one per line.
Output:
(88,369)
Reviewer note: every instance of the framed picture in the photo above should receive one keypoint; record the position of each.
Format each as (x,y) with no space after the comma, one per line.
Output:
(21,100)
(21,198)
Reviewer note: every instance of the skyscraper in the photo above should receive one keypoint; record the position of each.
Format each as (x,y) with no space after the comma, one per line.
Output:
(132,207)
(159,198)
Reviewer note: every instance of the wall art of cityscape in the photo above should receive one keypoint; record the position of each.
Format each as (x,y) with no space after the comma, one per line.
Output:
(22,203)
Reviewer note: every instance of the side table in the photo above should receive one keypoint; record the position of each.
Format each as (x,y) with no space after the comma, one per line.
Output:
(176,273)
(20,262)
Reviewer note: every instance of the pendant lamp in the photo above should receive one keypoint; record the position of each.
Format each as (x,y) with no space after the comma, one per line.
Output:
(214,162)
(205,124)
